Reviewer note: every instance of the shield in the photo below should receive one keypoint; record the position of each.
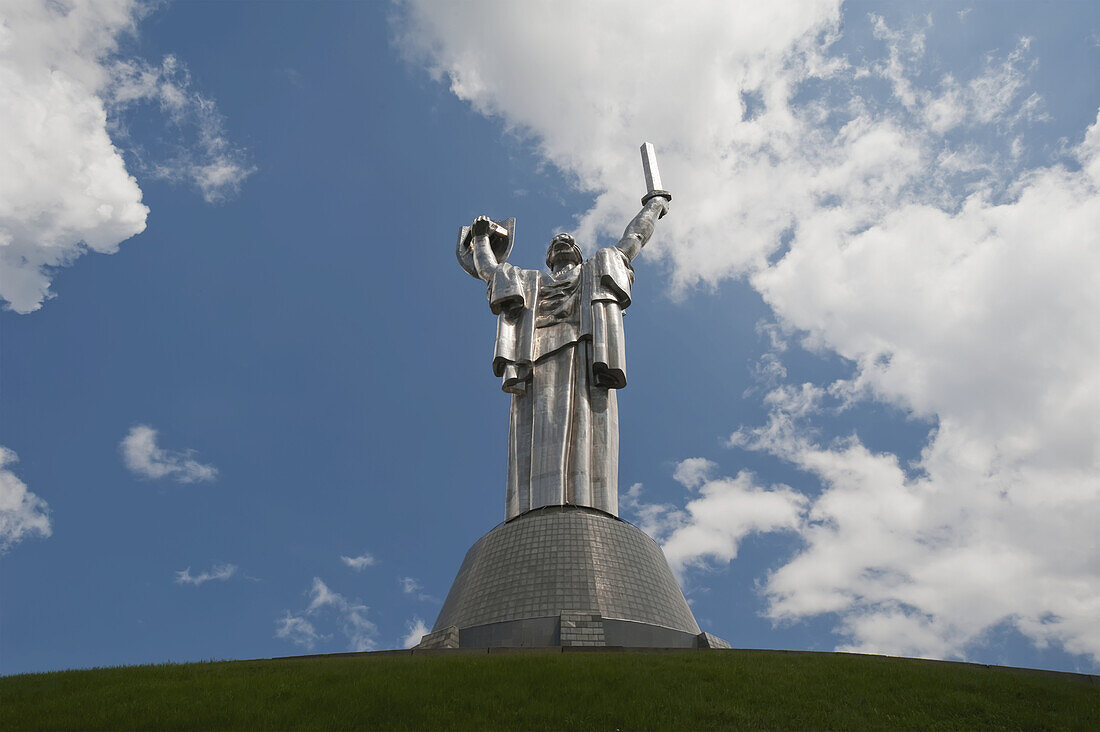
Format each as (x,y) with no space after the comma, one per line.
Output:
(501,244)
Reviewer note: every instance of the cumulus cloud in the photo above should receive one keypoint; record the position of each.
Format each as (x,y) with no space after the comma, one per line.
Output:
(64,188)
(980,318)
(22,513)
(219,572)
(417,630)
(923,562)
(329,607)
(711,527)
(749,165)
(588,81)
(64,185)
(883,211)
(693,472)
(360,562)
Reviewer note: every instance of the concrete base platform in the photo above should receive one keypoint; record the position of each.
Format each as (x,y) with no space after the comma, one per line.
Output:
(568,630)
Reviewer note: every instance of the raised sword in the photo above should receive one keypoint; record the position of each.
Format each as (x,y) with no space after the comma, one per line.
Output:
(652,175)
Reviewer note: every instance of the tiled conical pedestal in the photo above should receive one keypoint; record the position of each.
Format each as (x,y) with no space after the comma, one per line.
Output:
(566,576)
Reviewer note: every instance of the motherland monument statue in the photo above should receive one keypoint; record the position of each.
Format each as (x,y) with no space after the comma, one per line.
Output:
(563,569)
(560,352)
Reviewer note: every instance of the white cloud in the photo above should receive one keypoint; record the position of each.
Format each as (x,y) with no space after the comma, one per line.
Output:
(983,318)
(297,630)
(924,564)
(712,526)
(747,164)
(145,459)
(220,572)
(417,630)
(411,586)
(587,82)
(652,518)
(206,159)
(990,97)
(22,513)
(961,286)
(693,472)
(330,607)
(360,562)
(64,186)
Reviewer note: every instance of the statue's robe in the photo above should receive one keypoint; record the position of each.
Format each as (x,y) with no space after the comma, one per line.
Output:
(560,353)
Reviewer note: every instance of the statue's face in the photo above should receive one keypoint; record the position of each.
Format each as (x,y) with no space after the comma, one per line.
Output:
(562,250)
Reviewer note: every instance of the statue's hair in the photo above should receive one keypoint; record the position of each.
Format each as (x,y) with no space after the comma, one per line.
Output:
(563,237)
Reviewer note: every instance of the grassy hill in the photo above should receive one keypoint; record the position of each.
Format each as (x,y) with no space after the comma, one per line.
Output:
(610,690)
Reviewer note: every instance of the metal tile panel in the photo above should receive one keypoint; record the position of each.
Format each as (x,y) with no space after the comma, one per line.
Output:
(565,558)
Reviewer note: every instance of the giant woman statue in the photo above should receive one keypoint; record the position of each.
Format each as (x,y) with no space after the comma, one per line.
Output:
(560,354)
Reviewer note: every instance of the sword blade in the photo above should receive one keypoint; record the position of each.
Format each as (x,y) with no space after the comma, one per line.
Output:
(649,167)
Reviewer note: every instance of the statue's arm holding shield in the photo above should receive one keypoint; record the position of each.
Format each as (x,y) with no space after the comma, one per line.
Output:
(483,250)
(485,260)
(485,246)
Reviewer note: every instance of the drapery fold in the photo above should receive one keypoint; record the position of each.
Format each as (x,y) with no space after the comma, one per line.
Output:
(513,295)
(563,428)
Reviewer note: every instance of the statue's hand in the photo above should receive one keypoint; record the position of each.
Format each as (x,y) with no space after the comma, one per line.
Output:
(482,226)
(664,203)
(653,199)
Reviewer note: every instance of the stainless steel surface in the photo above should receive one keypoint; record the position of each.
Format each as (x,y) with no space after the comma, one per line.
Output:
(502,237)
(649,167)
(563,569)
(653,178)
(561,354)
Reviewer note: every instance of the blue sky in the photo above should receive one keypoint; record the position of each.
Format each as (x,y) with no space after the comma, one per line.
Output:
(863,396)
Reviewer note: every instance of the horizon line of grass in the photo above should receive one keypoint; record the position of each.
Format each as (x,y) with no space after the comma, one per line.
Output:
(571,690)
(496,650)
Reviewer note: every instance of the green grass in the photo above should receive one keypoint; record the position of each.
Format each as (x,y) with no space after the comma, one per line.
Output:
(601,691)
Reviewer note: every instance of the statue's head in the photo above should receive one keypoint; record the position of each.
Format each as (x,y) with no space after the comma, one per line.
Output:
(563,249)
